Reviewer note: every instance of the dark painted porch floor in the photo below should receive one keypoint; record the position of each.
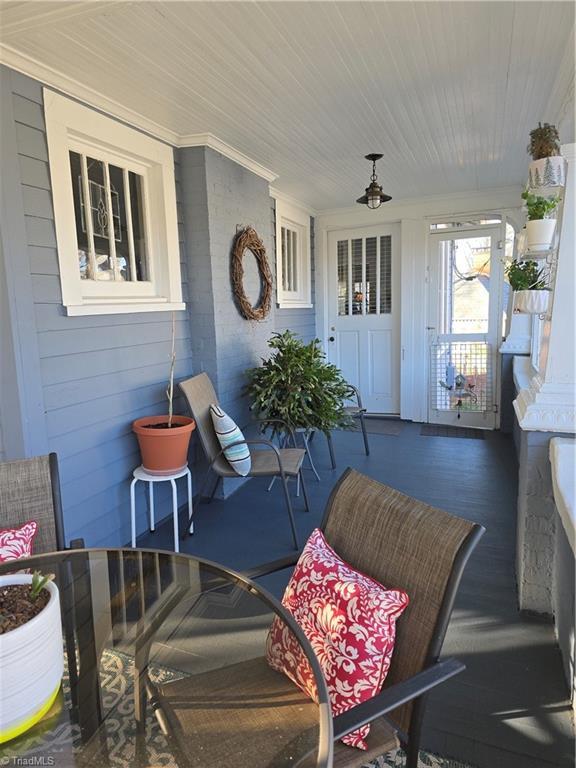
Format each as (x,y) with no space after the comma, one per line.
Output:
(509,709)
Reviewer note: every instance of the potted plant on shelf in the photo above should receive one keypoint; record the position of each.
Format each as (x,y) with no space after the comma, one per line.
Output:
(547,166)
(31,650)
(531,293)
(539,228)
(297,385)
(164,440)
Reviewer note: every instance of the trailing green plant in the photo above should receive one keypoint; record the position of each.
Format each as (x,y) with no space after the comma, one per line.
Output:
(539,207)
(544,142)
(297,384)
(38,583)
(526,276)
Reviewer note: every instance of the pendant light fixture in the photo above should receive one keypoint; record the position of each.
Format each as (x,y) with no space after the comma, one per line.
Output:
(374,196)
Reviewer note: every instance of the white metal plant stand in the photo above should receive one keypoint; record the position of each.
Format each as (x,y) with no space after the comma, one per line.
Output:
(141,474)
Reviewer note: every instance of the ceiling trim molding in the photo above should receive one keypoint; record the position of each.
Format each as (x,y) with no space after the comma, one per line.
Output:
(68,86)
(213,142)
(278,195)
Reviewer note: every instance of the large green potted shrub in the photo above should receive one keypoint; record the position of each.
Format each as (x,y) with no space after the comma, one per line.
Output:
(298,385)
(531,292)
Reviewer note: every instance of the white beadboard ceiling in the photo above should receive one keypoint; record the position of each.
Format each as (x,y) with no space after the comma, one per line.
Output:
(447,91)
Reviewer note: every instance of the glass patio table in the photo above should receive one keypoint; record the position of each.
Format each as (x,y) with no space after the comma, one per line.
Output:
(151,637)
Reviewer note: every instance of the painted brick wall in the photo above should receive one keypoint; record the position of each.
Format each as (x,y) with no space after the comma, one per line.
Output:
(301,321)
(98,373)
(536,528)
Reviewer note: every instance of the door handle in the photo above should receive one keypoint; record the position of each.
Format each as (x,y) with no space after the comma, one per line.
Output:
(331,338)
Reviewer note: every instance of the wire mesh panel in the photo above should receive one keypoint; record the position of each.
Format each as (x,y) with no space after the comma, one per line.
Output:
(461,376)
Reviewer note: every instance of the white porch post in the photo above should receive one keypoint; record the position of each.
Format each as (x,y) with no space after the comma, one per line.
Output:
(549,402)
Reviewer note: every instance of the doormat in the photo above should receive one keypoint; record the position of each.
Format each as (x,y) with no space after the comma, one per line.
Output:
(445,430)
(380,426)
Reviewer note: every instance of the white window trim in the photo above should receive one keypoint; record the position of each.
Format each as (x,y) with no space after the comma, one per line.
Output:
(297,219)
(70,125)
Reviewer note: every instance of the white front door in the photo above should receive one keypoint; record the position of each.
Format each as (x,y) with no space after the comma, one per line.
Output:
(465,327)
(364,313)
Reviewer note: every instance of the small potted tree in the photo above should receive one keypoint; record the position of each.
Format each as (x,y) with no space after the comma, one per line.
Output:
(531,293)
(547,166)
(540,227)
(297,385)
(31,650)
(164,440)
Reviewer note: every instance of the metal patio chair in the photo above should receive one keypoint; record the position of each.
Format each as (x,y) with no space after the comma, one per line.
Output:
(356,411)
(30,490)
(271,462)
(400,542)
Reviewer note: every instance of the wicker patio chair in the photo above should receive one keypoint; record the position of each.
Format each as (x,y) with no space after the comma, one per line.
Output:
(272,462)
(399,541)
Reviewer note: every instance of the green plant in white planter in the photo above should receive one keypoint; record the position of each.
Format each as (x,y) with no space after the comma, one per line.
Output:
(547,166)
(540,226)
(31,650)
(531,292)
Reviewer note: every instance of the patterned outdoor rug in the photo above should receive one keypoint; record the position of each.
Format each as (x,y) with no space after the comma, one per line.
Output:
(425,760)
(445,430)
(376,426)
(116,680)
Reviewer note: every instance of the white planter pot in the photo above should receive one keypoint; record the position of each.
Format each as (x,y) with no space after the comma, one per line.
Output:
(548,172)
(531,302)
(31,665)
(539,234)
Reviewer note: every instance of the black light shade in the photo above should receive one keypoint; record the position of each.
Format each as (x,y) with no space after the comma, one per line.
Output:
(374,196)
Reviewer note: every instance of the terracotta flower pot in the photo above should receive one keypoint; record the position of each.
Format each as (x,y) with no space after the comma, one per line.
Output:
(164,451)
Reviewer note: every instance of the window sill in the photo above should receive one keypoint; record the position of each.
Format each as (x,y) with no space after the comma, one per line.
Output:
(122,309)
(294,305)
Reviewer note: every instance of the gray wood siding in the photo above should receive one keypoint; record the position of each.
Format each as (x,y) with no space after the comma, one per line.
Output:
(301,321)
(98,373)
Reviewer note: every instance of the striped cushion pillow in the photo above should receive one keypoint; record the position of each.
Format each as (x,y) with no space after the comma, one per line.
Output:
(228,432)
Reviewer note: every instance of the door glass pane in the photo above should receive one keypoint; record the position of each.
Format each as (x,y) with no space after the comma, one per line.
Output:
(342,253)
(385,274)
(357,286)
(465,285)
(136,183)
(371,277)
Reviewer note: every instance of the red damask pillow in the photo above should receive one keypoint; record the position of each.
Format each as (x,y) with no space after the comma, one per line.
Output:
(16,543)
(350,620)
